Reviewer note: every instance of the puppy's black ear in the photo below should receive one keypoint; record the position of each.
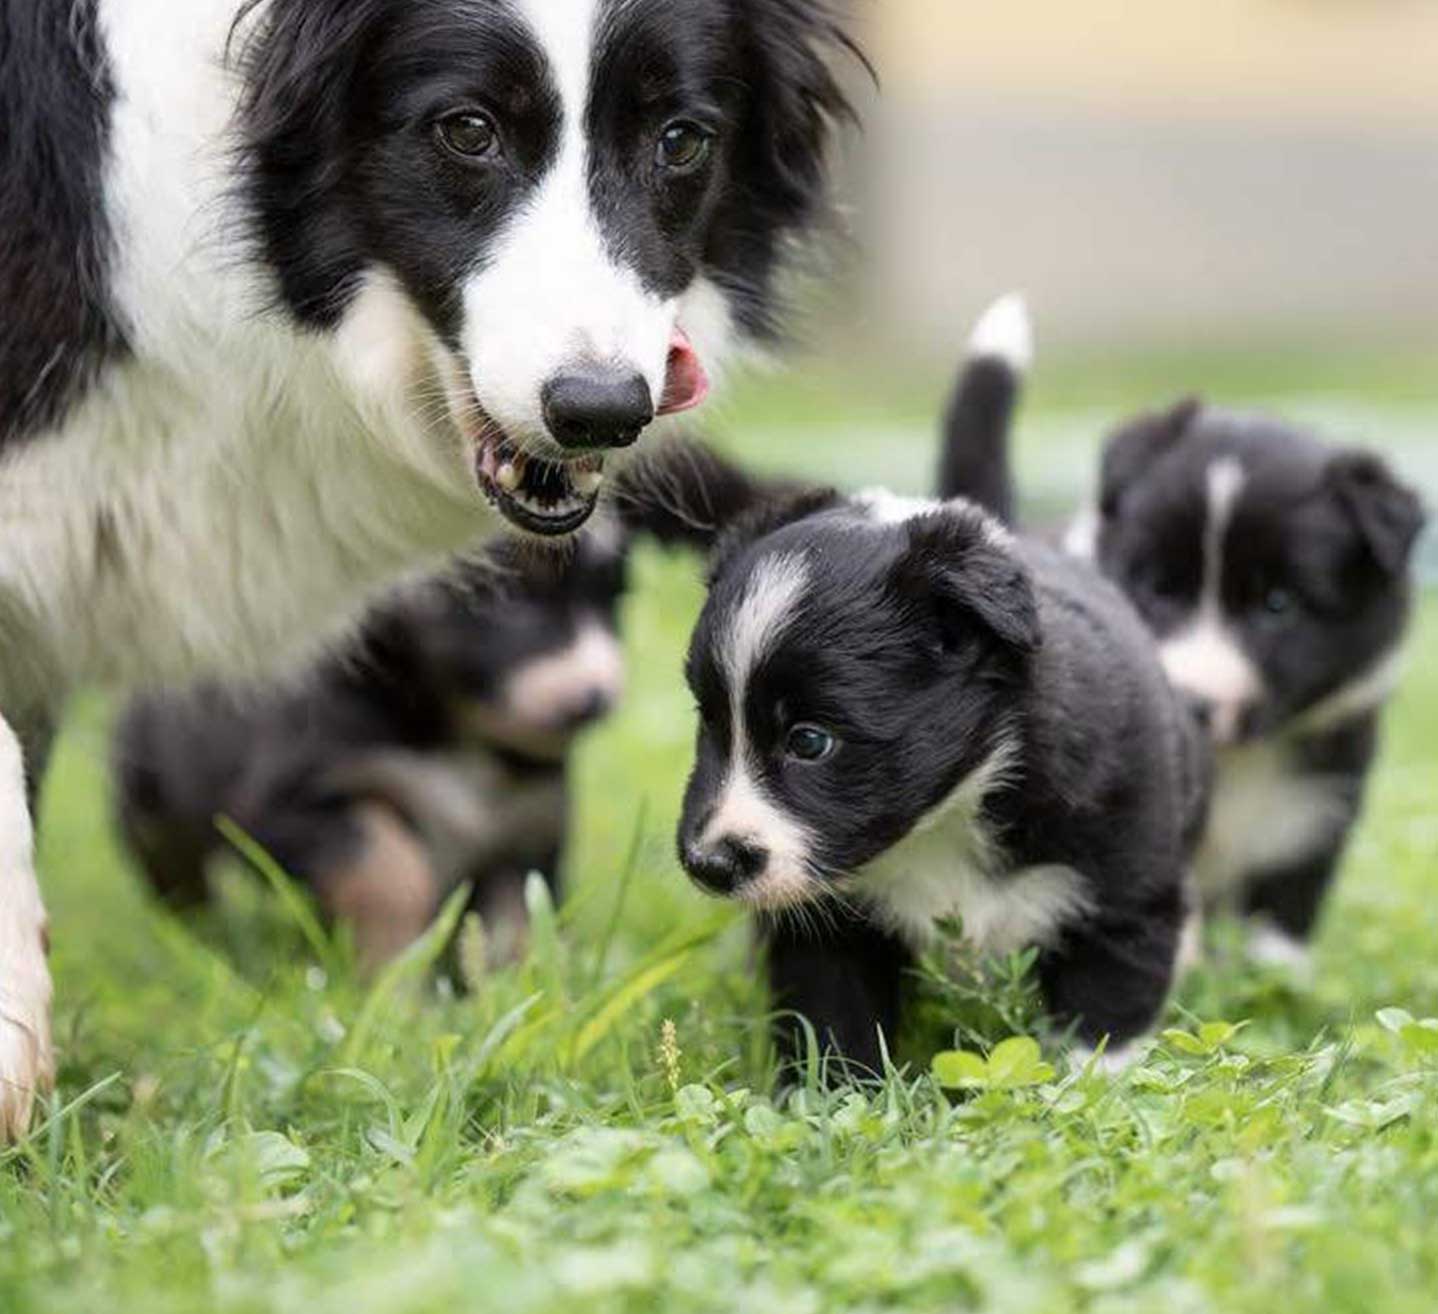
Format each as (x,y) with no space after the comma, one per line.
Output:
(1134,446)
(683,493)
(1387,514)
(957,564)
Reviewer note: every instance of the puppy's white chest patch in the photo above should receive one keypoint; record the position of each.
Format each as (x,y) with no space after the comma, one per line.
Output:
(948,866)
(1264,815)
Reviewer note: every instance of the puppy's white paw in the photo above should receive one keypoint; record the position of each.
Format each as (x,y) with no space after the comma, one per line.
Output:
(1267,946)
(27,1062)
(1111,1062)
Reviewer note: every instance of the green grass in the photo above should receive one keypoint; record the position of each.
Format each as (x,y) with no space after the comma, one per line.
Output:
(240,1127)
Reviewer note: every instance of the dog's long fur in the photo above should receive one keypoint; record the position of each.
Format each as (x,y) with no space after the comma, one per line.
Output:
(267,311)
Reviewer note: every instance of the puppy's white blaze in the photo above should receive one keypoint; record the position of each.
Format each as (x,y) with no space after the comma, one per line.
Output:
(549,689)
(743,811)
(25,1056)
(1005,333)
(948,865)
(1206,660)
(549,295)
(763,613)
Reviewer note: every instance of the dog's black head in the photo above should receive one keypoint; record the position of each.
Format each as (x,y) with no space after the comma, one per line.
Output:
(1272,568)
(547,213)
(853,663)
(518,650)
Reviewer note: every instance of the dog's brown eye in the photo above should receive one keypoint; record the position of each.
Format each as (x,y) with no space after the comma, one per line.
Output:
(809,743)
(683,147)
(468,133)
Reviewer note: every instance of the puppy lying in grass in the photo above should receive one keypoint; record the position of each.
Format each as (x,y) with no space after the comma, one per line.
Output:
(907,714)
(1274,571)
(432,753)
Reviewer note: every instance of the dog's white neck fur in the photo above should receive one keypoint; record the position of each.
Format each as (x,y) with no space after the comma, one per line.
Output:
(950,866)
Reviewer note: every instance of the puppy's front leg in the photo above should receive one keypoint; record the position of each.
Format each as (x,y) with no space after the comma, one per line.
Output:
(1111,978)
(26,1061)
(844,976)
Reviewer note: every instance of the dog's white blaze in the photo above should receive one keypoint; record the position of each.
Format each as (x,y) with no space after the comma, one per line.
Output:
(948,865)
(1005,333)
(24,976)
(549,294)
(1265,815)
(1205,658)
(742,810)
(1081,537)
(548,690)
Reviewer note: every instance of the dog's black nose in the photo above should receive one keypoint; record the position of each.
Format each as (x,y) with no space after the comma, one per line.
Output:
(723,867)
(596,408)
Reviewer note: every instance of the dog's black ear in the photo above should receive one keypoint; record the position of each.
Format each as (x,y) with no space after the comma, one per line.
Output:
(682,493)
(956,563)
(1387,514)
(792,104)
(1134,446)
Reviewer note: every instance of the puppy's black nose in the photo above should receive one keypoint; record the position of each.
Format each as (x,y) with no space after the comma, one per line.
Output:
(596,408)
(723,867)
(589,709)
(1199,708)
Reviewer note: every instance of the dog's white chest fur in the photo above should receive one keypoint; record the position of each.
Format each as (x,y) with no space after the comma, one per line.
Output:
(1264,815)
(947,866)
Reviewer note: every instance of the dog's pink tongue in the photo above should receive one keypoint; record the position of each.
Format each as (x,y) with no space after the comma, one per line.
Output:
(685,382)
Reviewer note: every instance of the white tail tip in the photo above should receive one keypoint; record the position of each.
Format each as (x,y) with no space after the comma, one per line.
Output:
(1004,332)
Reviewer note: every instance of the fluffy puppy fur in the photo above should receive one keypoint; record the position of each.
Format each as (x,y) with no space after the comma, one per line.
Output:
(907,714)
(300,296)
(1273,570)
(432,753)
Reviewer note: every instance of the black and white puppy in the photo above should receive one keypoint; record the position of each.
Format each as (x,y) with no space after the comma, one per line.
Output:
(908,714)
(1273,570)
(295,291)
(432,752)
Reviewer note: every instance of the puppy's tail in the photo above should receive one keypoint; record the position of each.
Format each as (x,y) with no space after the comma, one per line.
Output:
(975,460)
(682,493)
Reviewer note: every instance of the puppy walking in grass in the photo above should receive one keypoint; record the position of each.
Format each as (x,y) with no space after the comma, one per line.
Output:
(907,713)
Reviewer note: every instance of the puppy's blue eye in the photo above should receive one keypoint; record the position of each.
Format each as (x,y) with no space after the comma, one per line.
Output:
(1278,602)
(683,147)
(809,743)
(468,133)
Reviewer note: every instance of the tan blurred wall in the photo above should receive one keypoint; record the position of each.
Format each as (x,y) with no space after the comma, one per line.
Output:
(1211,169)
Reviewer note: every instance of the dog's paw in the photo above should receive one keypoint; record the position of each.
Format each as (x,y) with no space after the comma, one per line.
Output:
(27,1063)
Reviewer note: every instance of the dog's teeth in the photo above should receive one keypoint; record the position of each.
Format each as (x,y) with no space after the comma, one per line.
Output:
(587,482)
(507,477)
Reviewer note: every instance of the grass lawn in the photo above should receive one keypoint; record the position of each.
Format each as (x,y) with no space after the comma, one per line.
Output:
(240,1127)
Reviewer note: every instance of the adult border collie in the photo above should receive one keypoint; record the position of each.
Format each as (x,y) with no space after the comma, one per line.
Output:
(292,289)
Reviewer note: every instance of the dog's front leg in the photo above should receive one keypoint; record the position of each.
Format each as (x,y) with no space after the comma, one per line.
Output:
(26,1061)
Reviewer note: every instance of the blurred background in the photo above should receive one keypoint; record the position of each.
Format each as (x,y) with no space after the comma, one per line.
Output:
(1238,198)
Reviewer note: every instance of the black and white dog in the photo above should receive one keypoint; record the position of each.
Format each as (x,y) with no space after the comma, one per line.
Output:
(292,288)
(908,714)
(1273,570)
(431,752)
